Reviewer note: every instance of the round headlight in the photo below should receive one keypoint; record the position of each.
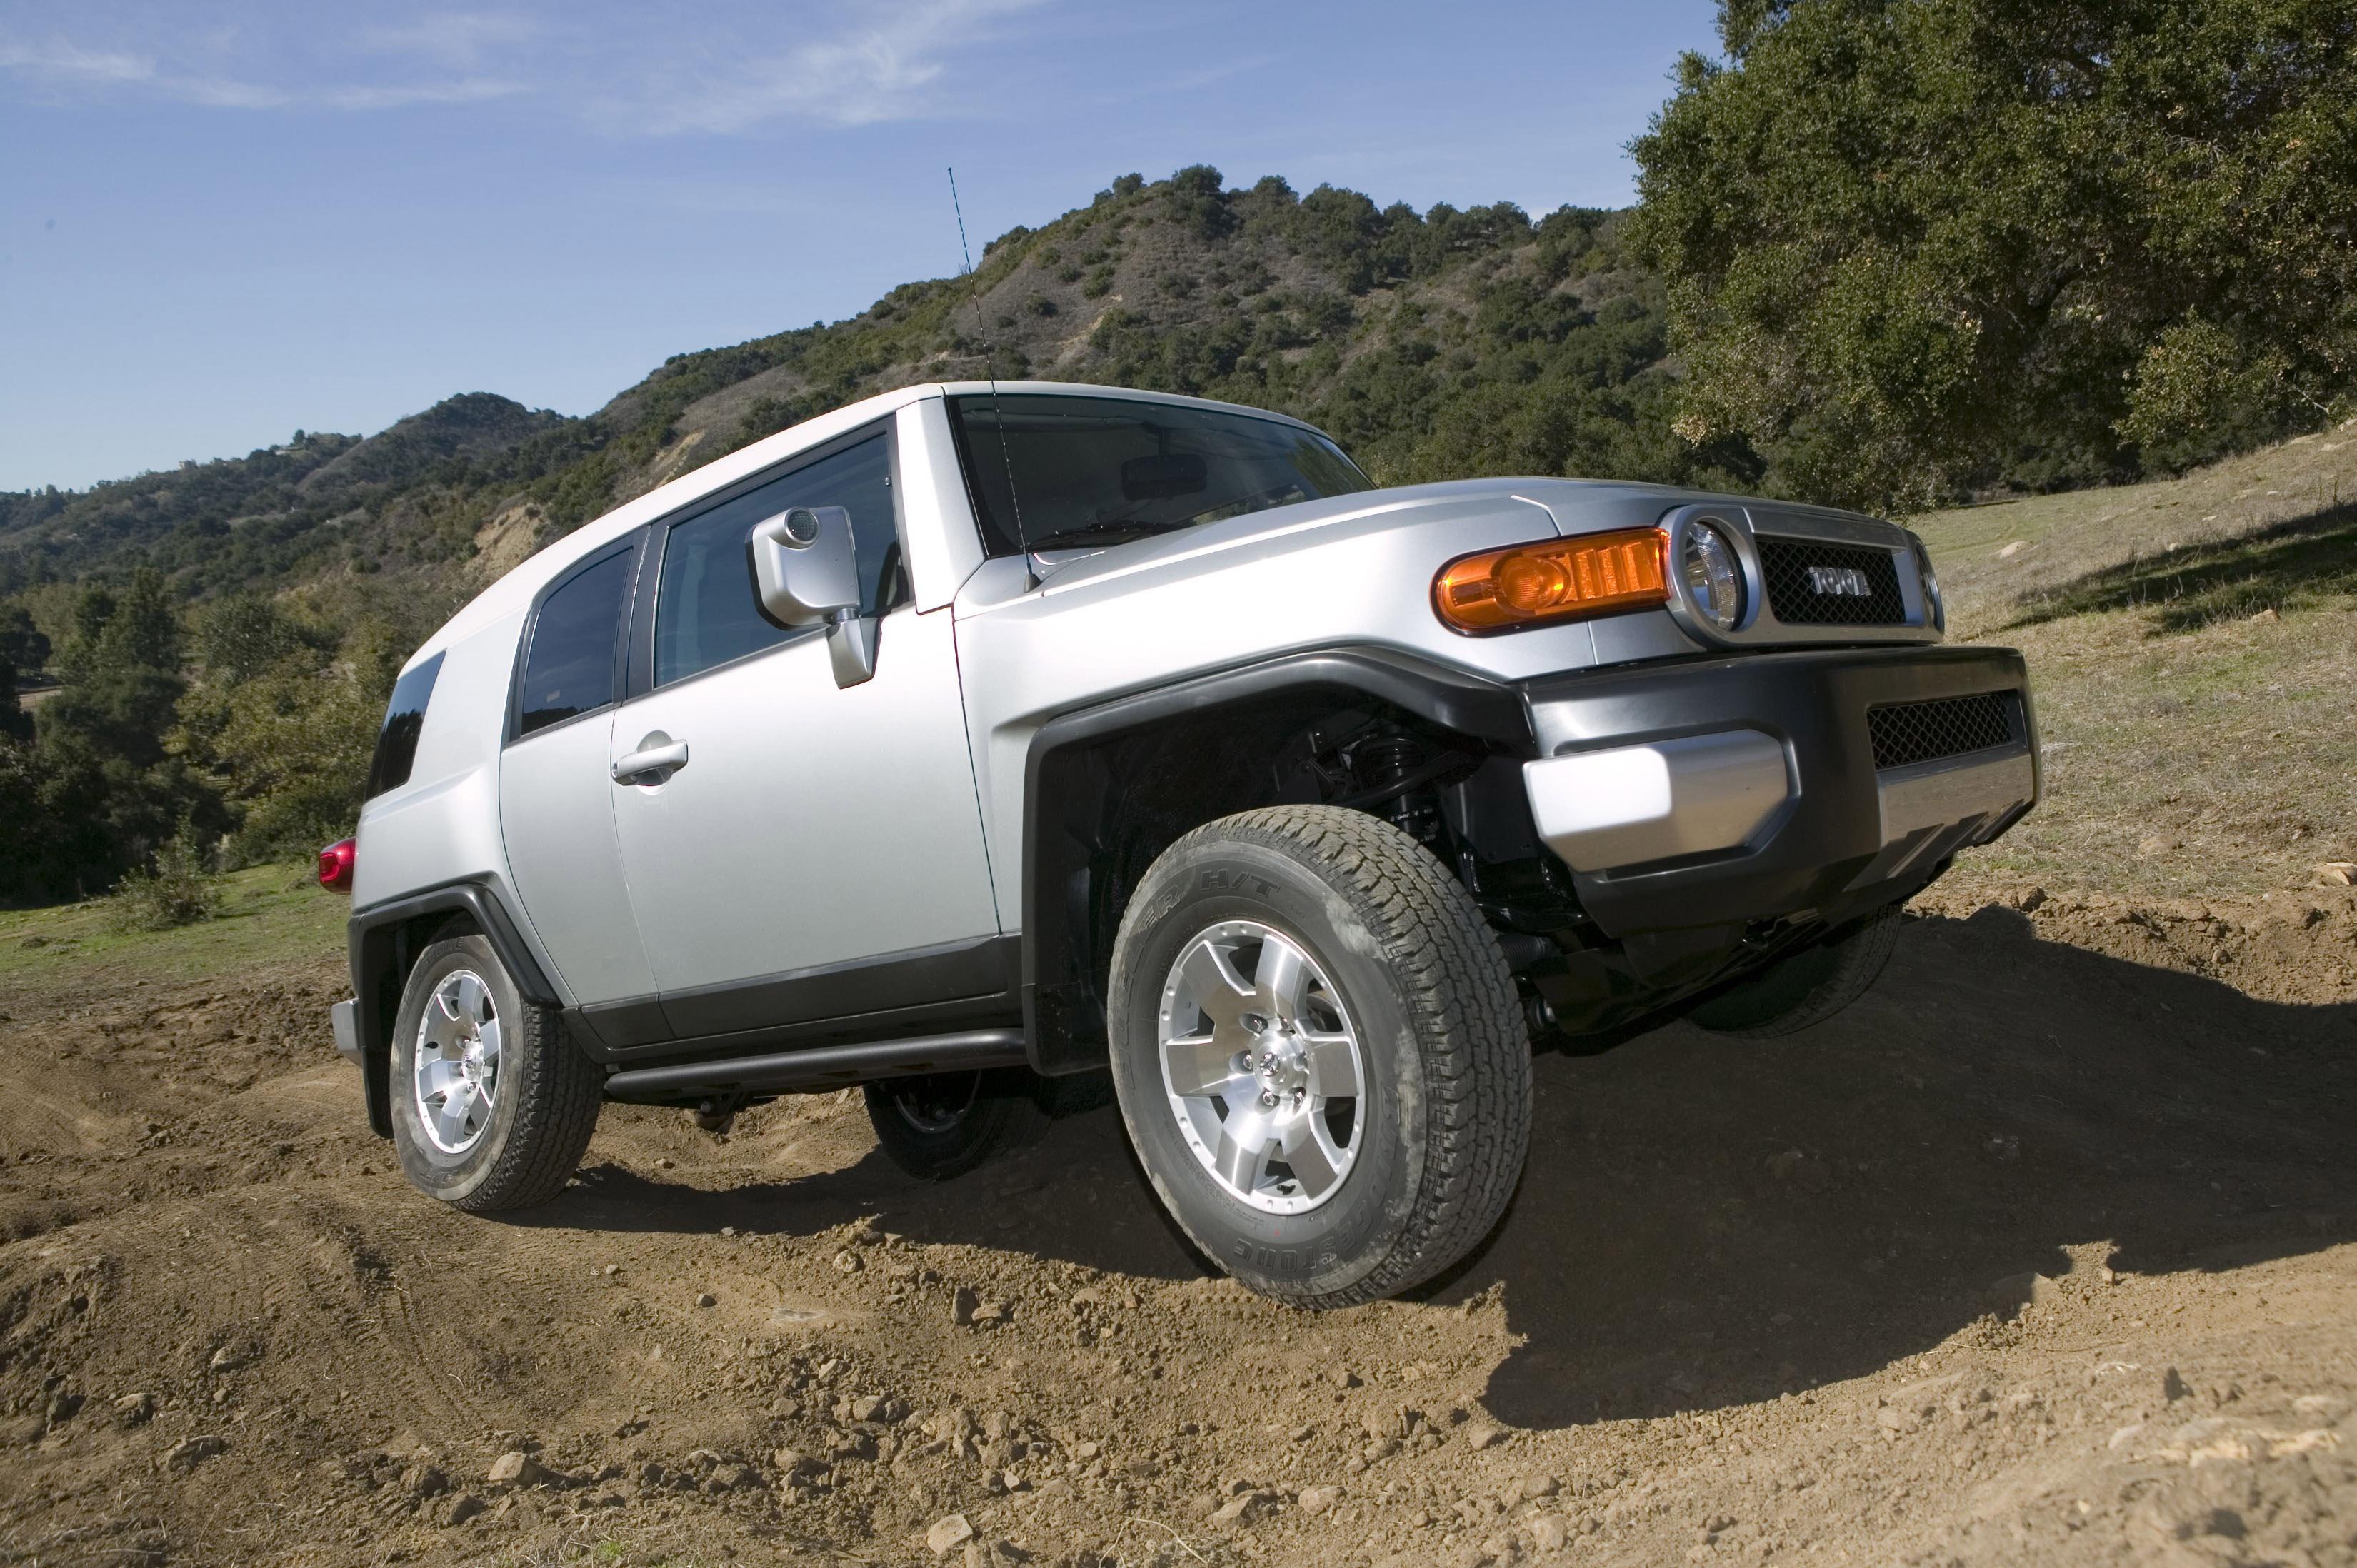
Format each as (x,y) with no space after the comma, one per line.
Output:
(1713,578)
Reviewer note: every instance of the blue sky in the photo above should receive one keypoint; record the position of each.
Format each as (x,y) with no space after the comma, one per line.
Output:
(221,222)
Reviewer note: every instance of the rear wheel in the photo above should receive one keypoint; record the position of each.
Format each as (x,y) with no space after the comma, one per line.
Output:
(1318,1053)
(1804,987)
(492,1103)
(943,1124)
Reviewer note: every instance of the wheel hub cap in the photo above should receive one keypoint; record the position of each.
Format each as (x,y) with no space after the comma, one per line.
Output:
(457,1062)
(1263,1067)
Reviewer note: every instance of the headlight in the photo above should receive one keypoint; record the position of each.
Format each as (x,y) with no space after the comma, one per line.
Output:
(1935,608)
(1713,578)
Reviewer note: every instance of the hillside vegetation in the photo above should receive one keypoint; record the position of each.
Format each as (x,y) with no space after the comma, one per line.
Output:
(1895,253)
(1433,344)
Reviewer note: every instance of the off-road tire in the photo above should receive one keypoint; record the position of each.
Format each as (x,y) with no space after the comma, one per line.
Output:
(1447,1050)
(1002,1112)
(544,1110)
(1806,987)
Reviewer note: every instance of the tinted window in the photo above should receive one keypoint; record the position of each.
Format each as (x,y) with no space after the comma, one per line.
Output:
(570,667)
(706,611)
(404,717)
(1048,471)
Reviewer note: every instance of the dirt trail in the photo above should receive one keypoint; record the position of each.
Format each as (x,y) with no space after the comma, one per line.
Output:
(2045,1253)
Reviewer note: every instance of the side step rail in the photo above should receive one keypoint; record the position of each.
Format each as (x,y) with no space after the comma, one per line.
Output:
(818,1066)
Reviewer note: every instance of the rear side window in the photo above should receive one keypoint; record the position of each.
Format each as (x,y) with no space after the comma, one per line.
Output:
(570,666)
(404,716)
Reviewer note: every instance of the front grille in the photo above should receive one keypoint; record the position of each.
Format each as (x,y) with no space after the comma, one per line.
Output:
(1907,733)
(1811,583)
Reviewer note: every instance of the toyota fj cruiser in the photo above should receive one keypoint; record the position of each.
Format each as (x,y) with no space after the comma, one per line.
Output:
(973,741)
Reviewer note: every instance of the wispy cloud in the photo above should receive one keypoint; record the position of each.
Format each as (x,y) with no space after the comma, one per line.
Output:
(457,40)
(64,64)
(892,62)
(742,67)
(62,69)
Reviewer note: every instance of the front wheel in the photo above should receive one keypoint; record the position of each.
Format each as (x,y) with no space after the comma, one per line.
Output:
(492,1103)
(1319,1054)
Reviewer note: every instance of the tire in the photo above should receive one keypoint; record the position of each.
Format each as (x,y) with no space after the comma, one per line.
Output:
(943,1124)
(1369,966)
(1806,987)
(527,1120)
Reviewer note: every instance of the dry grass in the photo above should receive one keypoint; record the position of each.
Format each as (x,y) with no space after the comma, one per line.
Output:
(2193,652)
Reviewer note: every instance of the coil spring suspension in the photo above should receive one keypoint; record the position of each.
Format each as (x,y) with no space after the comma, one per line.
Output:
(1382,761)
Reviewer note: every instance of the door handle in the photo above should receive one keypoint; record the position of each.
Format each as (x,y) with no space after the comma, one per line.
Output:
(666,759)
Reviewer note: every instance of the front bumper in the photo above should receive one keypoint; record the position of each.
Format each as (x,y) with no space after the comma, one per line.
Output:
(1729,790)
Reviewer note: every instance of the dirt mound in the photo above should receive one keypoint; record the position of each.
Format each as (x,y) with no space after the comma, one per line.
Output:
(2042,1252)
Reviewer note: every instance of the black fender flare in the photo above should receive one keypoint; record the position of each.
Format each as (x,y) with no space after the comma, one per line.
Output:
(384,939)
(1063,1020)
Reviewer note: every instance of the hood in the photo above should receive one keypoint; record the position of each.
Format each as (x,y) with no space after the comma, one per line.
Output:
(1559,506)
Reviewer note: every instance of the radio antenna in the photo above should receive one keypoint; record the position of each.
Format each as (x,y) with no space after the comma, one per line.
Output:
(990,367)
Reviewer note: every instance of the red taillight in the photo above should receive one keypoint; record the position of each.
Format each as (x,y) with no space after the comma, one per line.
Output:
(335,865)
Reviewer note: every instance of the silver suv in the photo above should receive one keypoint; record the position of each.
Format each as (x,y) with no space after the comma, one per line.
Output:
(977,744)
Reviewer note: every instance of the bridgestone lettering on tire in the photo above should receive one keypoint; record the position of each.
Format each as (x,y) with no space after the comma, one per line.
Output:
(492,1103)
(1399,993)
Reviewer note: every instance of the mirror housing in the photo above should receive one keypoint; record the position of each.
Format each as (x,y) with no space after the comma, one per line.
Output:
(806,572)
(803,567)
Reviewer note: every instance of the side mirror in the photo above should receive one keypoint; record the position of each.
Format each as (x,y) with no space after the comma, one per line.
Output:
(806,572)
(803,567)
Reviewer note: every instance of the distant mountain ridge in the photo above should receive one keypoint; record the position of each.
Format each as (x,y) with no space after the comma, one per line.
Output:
(230,522)
(1433,344)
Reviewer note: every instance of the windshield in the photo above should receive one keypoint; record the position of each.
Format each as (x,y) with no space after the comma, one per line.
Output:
(1051,470)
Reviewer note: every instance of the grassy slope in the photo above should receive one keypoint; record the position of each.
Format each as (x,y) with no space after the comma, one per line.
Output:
(2194,650)
(269,914)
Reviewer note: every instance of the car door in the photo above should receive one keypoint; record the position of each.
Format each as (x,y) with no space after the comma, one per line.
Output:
(556,799)
(817,851)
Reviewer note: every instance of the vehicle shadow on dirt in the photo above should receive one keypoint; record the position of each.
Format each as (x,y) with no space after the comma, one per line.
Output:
(1077,1198)
(1708,1222)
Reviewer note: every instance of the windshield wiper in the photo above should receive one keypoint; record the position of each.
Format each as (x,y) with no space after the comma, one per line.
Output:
(1102,533)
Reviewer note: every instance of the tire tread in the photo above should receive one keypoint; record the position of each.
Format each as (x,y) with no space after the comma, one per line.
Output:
(1473,1041)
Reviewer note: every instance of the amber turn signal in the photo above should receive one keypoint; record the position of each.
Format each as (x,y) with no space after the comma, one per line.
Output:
(1562,579)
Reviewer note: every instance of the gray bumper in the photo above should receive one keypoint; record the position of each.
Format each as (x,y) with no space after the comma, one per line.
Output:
(1626,805)
(1622,805)
(344,1014)
(1722,791)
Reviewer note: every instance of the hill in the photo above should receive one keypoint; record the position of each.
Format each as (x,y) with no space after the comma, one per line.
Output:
(2192,648)
(243,520)
(1435,344)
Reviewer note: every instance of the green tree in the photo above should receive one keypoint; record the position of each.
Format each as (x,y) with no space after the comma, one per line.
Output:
(24,648)
(106,789)
(1914,246)
(289,735)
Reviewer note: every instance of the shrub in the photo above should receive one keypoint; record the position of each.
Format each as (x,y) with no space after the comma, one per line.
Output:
(177,890)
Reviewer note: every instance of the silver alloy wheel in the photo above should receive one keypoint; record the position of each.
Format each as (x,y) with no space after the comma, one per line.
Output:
(457,1062)
(1263,1074)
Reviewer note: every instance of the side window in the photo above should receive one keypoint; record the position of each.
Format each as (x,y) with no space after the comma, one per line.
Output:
(405,719)
(569,669)
(705,609)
